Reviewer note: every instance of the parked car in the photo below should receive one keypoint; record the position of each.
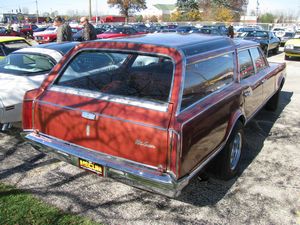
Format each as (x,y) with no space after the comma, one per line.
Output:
(120,31)
(11,44)
(27,29)
(287,36)
(243,30)
(268,41)
(78,36)
(186,29)
(46,36)
(6,32)
(209,31)
(153,110)
(24,70)
(168,28)
(292,48)
(142,28)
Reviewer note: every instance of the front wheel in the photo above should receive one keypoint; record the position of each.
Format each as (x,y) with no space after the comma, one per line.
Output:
(227,163)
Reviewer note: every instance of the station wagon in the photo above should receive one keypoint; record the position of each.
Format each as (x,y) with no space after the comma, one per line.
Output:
(152,111)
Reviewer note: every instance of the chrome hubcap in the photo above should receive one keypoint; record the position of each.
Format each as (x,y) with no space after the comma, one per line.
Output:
(236,151)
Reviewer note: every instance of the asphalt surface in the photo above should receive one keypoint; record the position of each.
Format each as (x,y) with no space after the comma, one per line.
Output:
(267,190)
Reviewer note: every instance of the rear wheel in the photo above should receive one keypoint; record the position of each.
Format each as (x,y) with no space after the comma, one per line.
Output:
(226,164)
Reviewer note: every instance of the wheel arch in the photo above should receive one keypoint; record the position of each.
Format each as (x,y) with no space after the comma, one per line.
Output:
(236,117)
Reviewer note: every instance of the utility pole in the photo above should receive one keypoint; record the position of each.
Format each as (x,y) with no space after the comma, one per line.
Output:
(37,12)
(96,11)
(257,8)
(90,10)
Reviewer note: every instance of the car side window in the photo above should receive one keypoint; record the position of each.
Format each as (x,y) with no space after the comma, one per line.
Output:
(245,63)
(205,77)
(258,59)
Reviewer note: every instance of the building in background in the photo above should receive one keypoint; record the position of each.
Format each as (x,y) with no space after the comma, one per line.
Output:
(158,10)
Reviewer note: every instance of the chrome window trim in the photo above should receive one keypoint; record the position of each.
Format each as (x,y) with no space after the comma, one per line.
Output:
(111,98)
(217,91)
(62,69)
(104,115)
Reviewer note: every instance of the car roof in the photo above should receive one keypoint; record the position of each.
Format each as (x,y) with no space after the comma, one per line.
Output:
(10,38)
(63,47)
(189,44)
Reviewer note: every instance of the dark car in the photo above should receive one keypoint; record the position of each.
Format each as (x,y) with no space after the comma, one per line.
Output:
(222,29)
(267,39)
(78,35)
(186,29)
(210,31)
(142,28)
(168,28)
(156,118)
(287,36)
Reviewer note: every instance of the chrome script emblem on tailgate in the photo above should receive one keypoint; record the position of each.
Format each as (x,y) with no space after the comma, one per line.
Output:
(144,144)
(89,116)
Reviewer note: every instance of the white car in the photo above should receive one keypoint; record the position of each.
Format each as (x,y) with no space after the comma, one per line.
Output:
(23,70)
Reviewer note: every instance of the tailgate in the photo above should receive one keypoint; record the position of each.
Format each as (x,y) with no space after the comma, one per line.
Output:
(130,132)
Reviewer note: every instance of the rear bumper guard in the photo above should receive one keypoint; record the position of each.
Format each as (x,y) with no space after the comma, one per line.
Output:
(131,173)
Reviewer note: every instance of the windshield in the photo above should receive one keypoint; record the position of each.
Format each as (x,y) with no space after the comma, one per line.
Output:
(114,30)
(12,46)
(51,28)
(131,75)
(289,34)
(261,34)
(26,64)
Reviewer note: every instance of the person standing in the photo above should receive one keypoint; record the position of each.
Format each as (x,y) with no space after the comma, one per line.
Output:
(88,32)
(230,31)
(64,32)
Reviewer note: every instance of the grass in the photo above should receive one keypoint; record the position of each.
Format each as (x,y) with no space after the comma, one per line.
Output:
(20,207)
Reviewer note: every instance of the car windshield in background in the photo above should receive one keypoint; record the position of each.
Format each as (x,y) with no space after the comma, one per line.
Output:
(26,64)
(289,34)
(114,30)
(12,46)
(50,28)
(261,34)
(119,74)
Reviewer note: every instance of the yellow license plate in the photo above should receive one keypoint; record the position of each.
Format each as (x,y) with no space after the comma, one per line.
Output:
(92,167)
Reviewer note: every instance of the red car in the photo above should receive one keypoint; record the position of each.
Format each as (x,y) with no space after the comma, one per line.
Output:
(27,29)
(153,110)
(118,32)
(50,35)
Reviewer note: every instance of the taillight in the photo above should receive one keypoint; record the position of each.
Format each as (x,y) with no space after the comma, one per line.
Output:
(27,113)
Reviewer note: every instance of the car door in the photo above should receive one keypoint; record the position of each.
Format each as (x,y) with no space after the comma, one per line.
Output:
(252,83)
(261,68)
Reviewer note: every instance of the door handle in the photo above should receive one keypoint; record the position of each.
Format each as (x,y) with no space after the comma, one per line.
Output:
(247,93)
(263,81)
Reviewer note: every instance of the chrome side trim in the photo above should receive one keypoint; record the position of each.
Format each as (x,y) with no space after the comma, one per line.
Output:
(103,115)
(111,98)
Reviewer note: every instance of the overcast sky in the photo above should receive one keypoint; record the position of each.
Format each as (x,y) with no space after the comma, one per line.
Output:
(62,7)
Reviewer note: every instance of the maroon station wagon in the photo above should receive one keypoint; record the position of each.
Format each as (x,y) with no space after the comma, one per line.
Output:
(152,110)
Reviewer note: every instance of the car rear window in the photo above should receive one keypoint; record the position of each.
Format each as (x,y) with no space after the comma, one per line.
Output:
(12,46)
(135,75)
(205,77)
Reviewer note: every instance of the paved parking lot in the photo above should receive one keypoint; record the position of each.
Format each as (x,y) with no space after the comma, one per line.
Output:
(267,191)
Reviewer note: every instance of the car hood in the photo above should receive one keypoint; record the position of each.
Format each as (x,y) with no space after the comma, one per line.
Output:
(45,32)
(295,41)
(257,39)
(13,88)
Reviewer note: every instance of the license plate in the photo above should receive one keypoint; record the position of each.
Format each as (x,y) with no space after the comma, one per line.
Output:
(91,166)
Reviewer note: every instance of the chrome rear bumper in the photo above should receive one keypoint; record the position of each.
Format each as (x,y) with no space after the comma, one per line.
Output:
(132,173)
